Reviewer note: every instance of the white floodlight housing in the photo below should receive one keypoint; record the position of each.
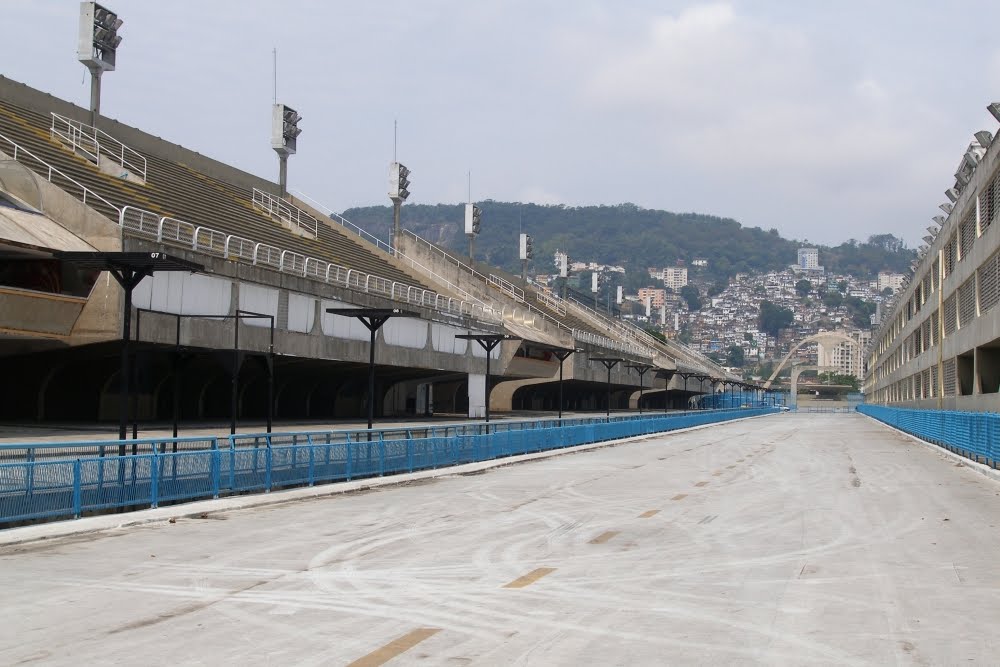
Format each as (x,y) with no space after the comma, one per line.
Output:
(99,39)
(473,219)
(594,279)
(399,181)
(946,207)
(620,297)
(284,129)
(525,251)
(562,263)
(984,137)
(994,110)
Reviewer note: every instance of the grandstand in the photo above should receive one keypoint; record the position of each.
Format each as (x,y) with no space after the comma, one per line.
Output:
(285,261)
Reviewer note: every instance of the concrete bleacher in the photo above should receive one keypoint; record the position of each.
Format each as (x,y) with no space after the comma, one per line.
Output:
(180,191)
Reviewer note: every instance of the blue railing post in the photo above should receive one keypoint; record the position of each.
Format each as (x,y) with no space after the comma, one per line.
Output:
(154,480)
(31,471)
(349,456)
(267,467)
(216,472)
(77,491)
(381,454)
(409,453)
(312,460)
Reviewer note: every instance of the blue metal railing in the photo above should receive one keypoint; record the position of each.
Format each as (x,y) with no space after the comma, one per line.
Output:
(974,435)
(55,480)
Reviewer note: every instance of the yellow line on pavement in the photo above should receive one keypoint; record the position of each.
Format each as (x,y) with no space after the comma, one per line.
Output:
(680,496)
(530,578)
(604,537)
(394,648)
(649,513)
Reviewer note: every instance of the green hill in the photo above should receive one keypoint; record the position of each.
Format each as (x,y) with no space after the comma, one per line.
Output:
(627,235)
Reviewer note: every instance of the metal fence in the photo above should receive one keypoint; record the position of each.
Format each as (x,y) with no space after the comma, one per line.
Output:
(68,479)
(974,435)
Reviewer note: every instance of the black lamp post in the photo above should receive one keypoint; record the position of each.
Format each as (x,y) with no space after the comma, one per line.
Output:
(128,268)
(373,319)
(609,363)
(488,342)
(641,369)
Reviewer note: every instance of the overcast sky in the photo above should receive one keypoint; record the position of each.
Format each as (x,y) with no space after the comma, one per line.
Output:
(826,120)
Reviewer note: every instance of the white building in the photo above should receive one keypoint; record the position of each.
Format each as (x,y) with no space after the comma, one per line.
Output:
(809,259)
(894,281)
(675,277)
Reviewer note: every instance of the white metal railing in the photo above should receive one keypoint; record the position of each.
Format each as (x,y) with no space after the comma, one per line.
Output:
(52,172)
(283,210)
(95,143)
(344,222)
(450,258)
(507,287)
(551,301)
(385,247)
(138,222)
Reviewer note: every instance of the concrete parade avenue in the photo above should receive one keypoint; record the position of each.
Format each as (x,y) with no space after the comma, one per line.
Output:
(792,539)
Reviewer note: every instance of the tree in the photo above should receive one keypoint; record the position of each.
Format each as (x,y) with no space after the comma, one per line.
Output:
(773,319)
(690,294)
(803,287)
(833,299)
(842,286)
(735,356)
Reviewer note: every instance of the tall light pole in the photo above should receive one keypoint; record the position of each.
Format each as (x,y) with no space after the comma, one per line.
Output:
(97,48)
(399,183)
(284,133)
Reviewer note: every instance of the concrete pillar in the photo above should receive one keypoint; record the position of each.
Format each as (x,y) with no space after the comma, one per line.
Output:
(477,395)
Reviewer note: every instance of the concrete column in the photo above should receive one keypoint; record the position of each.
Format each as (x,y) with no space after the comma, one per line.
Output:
(477,395)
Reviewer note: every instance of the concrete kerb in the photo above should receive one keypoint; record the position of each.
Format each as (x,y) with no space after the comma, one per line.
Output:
(975,466)
(195,509)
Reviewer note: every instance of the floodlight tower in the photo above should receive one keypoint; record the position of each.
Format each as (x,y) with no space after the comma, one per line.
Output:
(526,252)
(399,183)
(473,220)
(97,47)
(284,134)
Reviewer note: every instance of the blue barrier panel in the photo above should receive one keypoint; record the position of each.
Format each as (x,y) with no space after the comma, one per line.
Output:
(971,434)
(48,484)
(186,475)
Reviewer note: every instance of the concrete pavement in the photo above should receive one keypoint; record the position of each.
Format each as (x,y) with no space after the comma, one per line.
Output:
(792,539)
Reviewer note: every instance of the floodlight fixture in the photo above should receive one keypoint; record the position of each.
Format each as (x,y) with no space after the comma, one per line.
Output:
(97,48)
(946,207)
(994,109)
(284,136)
(473,221)
(984,137)
(399,183)
(525,249)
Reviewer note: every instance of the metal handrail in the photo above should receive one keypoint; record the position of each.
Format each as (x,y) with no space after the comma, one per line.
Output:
(283,210)
(507,287)
(80,135)
(52,170)
(550,300)
(138,222)
(344,222)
